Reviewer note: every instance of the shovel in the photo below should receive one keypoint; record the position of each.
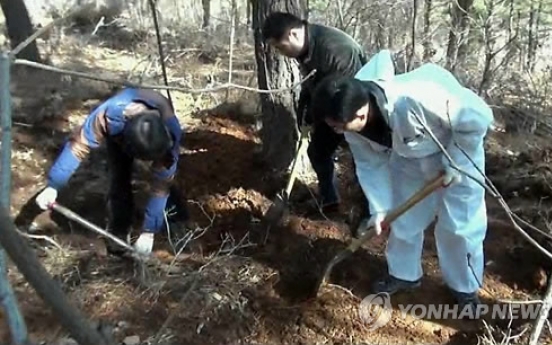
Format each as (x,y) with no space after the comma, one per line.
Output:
(279,205)
(356,243)
(76,218)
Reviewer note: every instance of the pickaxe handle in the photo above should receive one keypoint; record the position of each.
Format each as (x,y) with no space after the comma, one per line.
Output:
(75,217)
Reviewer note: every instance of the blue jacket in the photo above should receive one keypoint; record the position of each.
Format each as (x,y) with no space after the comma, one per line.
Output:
(108,120)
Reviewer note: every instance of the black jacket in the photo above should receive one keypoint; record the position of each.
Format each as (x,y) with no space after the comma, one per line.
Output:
(330,51)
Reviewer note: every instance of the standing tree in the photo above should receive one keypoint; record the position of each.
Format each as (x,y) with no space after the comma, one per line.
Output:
(279,132)
(460,24)
(206,4)
(427,40)
(19,28)
(248,13)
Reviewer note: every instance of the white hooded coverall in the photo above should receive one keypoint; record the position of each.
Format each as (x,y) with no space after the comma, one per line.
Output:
(389,177)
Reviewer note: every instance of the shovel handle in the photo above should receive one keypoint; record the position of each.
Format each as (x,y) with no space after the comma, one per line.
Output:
(429,188)
(75,217)
(304,140)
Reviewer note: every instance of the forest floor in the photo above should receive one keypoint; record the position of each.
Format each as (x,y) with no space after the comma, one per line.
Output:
(248,282)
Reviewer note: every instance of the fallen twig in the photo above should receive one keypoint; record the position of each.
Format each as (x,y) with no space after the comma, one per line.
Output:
(173,313)
(42,237)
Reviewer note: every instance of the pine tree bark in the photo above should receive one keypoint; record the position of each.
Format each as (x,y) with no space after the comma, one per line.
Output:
(279,132)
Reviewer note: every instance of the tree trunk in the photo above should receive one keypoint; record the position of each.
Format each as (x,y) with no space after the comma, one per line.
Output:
(279,132)
(488,34)
(521,46)
(536,38)
(19,27)
(206,13)
(380,34)
(428,53)
(463,44)
(531,34)
(249,14)
(511,20)
(458,31)
(538,27)
(413,35)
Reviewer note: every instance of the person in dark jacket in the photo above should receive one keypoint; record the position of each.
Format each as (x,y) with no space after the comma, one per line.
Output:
(134,124)
(331,52)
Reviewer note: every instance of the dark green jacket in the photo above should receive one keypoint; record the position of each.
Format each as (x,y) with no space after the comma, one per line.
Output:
(330,51)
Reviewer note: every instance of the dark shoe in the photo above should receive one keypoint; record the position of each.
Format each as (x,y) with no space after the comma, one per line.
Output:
(178,219)
(392,285)
(180,229)
(112,247)
(176,210)
(468,305)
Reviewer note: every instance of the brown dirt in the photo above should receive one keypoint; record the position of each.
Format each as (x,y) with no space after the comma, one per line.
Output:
(255,293)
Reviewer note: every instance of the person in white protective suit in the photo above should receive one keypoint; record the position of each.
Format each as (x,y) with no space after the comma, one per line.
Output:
(386,119)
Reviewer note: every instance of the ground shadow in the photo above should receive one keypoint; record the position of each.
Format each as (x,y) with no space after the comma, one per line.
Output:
(243,112)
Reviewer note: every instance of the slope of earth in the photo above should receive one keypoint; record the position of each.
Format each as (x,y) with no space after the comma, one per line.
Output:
(234,281)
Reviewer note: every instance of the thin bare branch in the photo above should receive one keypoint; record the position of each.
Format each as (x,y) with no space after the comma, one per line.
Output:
(491,189)
(219,88)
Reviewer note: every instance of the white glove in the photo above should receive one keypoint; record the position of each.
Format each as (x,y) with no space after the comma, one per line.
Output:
(144,243)
(374,221)
(46,198)
(451,176)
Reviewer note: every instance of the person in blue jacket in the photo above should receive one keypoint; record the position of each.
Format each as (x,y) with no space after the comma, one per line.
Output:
(134,124)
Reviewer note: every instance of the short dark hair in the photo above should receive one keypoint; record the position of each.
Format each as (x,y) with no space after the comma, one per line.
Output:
(278,23)
(146,136)
(339,98)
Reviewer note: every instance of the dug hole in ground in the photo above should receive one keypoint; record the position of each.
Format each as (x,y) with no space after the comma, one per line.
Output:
(249,283)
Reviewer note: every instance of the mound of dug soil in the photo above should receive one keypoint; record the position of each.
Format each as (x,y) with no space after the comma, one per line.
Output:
(252,284)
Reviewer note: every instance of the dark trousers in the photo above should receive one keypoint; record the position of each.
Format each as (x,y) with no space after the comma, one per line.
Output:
(120,202)
(321,152)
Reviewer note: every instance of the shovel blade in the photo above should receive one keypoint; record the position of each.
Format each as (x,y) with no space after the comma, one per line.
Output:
(277,210)
(326,276)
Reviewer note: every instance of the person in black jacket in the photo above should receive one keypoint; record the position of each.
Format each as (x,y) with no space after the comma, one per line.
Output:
(331,52)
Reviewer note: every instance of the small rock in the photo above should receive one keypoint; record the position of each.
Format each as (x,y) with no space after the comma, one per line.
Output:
(132,340)
(540,279)
(66,341)
(34,227)
(122,324)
